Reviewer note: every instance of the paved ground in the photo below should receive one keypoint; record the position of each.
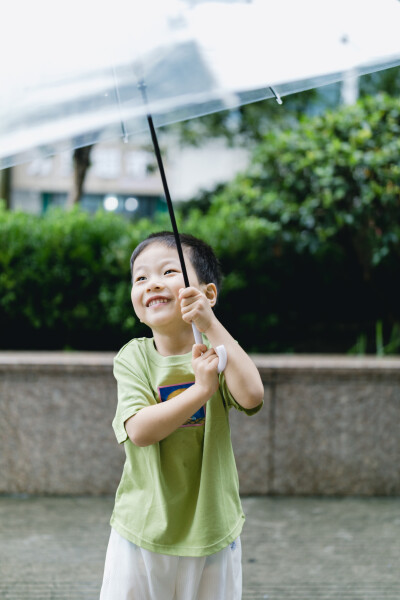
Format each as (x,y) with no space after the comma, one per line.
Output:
(294,549)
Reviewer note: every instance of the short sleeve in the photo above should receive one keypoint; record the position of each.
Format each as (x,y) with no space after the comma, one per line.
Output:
(230,401)
(133,394)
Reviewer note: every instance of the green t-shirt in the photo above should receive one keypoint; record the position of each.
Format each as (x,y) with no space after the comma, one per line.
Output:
(179,496)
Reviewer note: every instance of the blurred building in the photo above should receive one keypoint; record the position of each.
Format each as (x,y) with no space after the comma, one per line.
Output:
(124,178)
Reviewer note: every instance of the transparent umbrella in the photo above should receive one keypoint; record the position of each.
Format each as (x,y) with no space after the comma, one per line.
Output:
(81,72)
(69,73)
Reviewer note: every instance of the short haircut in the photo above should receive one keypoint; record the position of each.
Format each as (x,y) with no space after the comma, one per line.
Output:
(201,255)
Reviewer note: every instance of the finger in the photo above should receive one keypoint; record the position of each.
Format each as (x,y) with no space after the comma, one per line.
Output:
(188,302)
(211,366)
(187,292)
(187,319)
(206,353)
(191,316)
(209,354)
(191,312)
(210,359)
(198,350)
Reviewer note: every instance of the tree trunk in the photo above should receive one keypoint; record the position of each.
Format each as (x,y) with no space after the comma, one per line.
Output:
(5,186)
(81,160)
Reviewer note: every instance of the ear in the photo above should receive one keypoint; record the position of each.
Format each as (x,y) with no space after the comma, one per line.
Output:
(210,291)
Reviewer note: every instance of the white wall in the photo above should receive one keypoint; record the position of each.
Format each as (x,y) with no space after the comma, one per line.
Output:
(122,169)
(190,170)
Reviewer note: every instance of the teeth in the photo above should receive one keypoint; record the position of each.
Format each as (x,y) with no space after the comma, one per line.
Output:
(159,301)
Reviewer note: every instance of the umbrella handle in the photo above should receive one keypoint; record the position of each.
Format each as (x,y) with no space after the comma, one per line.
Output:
(220,350)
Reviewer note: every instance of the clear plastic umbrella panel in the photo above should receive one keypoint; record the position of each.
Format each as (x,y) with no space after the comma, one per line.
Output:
(77,73)
(70,73)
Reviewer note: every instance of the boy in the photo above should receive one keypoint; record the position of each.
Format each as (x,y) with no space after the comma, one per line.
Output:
(177,515)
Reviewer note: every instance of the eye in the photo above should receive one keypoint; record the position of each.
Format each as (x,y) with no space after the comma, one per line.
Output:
(168,271)
(140,278)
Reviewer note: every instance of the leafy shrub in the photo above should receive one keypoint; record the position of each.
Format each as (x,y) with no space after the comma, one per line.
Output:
(64,279)
(308,238)
(309,234)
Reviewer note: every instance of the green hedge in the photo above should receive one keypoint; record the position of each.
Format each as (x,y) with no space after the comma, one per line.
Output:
(64,279)
(308,238)
(320,203)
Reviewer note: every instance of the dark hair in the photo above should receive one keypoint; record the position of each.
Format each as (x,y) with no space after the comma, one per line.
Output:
(202,256)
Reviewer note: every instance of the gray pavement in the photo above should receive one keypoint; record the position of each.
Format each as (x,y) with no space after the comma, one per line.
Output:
(293,548)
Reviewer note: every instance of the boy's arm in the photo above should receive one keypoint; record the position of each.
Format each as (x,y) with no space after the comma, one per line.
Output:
(154,423)
(241,374)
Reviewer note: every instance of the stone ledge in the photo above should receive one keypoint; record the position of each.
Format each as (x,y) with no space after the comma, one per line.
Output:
(54,361)
(277,366)
(329,425)
(268,364)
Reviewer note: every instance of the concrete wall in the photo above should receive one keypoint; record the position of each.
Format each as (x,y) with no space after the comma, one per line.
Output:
(330,426)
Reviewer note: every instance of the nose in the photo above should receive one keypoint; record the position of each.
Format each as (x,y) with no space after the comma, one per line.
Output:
(153,283)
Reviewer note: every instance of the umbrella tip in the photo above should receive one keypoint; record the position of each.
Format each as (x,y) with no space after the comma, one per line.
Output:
(277,96)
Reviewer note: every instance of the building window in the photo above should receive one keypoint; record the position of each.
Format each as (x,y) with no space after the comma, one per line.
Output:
(40,167)
(106,163)
(65,164)
(133,207)
(137,163)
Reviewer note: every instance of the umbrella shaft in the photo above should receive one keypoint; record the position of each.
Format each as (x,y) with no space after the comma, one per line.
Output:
(168,198)
(197,335)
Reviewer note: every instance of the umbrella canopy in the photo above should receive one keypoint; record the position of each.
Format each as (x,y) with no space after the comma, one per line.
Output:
(72,74)
(83,72)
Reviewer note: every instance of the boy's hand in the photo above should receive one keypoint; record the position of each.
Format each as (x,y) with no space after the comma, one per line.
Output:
(196,308)
(205,364)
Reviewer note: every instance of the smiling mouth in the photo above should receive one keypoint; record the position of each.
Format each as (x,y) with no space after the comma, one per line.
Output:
(157,301)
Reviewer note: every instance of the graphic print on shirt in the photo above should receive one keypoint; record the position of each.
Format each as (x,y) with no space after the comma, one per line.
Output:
(166,392)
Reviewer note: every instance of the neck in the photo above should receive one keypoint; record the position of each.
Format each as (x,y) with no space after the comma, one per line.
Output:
(180,342)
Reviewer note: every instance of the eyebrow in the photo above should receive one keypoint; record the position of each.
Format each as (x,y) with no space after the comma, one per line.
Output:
(161,263)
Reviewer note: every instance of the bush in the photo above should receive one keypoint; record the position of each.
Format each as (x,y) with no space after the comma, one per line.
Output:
(309,234)
(65,281)
(308,239)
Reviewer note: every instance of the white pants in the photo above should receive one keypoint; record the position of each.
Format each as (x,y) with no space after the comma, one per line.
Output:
(132,573)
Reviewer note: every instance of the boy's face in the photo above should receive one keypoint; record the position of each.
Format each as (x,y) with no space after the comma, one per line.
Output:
(157,278)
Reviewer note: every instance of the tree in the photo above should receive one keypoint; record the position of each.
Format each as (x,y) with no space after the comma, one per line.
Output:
(311,231)
(5,184)
(81,162)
